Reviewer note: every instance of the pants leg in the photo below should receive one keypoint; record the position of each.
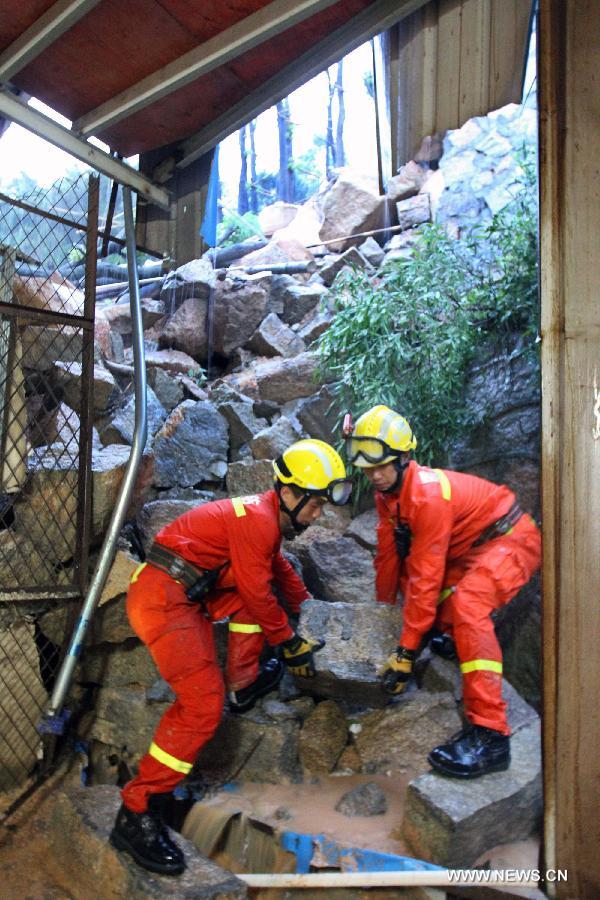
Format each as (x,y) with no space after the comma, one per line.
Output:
(244,646)
(486,579)
(181,643)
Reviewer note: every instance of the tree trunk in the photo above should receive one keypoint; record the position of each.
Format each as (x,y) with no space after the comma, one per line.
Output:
(340,156)
(243,205)
(329,146)
(285,178)
(253,195)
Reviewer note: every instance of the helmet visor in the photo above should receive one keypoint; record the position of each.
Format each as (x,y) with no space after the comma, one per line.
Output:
(339,491)
(372,450)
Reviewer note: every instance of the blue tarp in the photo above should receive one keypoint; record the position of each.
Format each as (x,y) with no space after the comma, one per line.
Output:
(208,229)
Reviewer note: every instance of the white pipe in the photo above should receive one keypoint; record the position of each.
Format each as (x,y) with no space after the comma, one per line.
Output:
(437,878)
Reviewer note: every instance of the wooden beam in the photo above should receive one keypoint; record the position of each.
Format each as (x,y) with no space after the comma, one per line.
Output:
(371,21)
(16,110)
(43,32)
(278,16)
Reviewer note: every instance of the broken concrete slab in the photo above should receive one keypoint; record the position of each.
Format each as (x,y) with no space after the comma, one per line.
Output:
(452,822)
(98,870)
(360,637)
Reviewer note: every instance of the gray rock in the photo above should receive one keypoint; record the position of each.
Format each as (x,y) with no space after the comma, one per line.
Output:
(249,477)
(45,345)
(352,205)
(186,330)
(105,391)
(365,800)
(194,279)
(318,415)
(158,513)
(253,747)
(174,361)
(418,721)
(243,423)
(100,870)
(363,530)
(323,737)
(314,328)
(115,667)
(274,338)
(121,427)
(282,380)
(351,258)
(168,390)
(360,637)
(372,252)
(452,823)
(293,301)
(240,306)
(191,424)
(413,211)
(273,440)
(407,182)
(336,568)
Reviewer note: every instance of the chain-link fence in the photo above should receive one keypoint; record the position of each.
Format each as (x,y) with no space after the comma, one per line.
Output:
(48,247)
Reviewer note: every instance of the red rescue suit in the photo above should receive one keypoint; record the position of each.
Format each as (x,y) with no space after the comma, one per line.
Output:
(449,583)
(243,532)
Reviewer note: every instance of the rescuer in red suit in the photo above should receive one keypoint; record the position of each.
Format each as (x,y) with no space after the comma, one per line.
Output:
(456,548)
(220,560)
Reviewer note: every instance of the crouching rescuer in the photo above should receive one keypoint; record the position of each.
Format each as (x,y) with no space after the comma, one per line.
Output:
(219,561)
(456,547)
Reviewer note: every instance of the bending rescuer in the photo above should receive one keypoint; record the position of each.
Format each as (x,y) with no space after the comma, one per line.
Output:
(456,547)
(219,561)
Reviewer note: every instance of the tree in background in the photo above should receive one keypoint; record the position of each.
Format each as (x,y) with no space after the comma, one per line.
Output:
(243,204)
(253,192)
(335,156)
(285,179)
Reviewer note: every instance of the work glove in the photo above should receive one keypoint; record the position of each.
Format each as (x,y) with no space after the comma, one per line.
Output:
(298,655)
(397,670)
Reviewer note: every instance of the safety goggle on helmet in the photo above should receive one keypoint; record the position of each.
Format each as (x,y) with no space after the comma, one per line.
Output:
(316,468)
(380,436)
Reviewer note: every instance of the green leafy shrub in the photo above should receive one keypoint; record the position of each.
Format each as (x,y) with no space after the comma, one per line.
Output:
(406,337)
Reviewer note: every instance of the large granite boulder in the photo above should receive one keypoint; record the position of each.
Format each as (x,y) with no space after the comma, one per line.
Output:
(360,637)
(186,330)
(351,206)
(194,279)
(336,568)
(240,306)
(196,424)
(98,870)
(452,822)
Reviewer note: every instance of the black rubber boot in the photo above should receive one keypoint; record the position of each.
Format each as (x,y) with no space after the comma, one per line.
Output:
(472,752)
(443,645)
(270,675)
(144,837)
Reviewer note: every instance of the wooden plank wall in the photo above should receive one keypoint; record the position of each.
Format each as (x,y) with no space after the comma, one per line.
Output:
(569,99)
(452,60)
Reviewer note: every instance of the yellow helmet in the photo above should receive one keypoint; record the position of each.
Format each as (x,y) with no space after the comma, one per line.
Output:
(316,468)
(379,437)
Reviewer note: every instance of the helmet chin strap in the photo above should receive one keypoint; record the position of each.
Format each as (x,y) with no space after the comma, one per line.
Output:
(292,514)
(400,468)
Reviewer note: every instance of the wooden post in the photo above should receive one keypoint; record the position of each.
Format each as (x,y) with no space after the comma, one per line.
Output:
(569,98)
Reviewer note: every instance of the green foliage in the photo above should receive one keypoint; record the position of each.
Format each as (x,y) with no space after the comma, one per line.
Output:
(407,337)
(235,228)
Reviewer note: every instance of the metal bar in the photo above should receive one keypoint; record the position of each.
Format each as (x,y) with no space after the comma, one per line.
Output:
(13,108)
(371,21)
(61,16)
(84,468)
(139,440)
(45,316)
(265,23)
(21,204)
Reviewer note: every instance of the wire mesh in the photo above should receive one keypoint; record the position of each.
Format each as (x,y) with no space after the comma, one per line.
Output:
(47,279)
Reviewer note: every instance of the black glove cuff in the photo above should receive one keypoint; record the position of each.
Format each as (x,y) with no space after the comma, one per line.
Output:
(292,643)
(403,653)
